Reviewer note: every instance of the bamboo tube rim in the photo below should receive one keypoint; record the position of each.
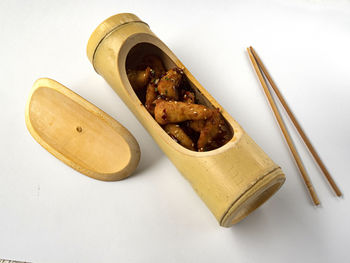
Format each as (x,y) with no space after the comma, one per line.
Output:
(105,28)
(254,197)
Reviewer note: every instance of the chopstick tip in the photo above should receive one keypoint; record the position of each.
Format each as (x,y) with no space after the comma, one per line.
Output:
(249,52)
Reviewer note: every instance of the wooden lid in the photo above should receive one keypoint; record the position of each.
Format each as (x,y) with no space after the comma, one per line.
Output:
(80,134)
(105,28)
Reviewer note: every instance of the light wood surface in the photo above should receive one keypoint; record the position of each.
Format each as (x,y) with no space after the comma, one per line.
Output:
(232,180)
(285,132)
(80,134)
(297,125)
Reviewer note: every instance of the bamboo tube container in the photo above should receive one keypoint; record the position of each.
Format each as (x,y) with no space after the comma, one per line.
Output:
(232,180)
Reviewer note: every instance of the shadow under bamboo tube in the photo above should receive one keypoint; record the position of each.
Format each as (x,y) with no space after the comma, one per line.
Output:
(297,126)
(295,154)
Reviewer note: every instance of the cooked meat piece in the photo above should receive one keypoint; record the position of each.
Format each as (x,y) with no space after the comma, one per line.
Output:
(188,97)
(178,134)
(139,78)
(197,126)
(168,85)
(156,65)
(175,111)
(151,95)
(212,128)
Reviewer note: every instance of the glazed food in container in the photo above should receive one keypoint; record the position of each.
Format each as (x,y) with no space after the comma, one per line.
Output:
(232,179)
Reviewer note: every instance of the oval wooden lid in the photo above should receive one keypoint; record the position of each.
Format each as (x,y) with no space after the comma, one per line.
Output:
(105,28)
(80,134)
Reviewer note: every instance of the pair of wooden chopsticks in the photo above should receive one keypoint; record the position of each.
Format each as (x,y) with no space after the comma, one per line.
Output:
(260,70)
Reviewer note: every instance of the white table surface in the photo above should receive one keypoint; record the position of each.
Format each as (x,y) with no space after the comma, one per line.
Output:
(51,213)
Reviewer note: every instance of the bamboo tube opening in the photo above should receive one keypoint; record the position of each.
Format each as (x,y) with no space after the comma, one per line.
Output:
(254,202)
(135,57)
(254,198)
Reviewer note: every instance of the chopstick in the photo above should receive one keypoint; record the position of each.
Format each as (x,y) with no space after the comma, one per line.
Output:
(297,126)
(279,119)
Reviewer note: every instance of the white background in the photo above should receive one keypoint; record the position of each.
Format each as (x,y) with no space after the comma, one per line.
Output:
(51,213)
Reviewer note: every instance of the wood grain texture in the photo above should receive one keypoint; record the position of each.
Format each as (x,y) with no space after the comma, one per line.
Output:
(80,134)
(232,180)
